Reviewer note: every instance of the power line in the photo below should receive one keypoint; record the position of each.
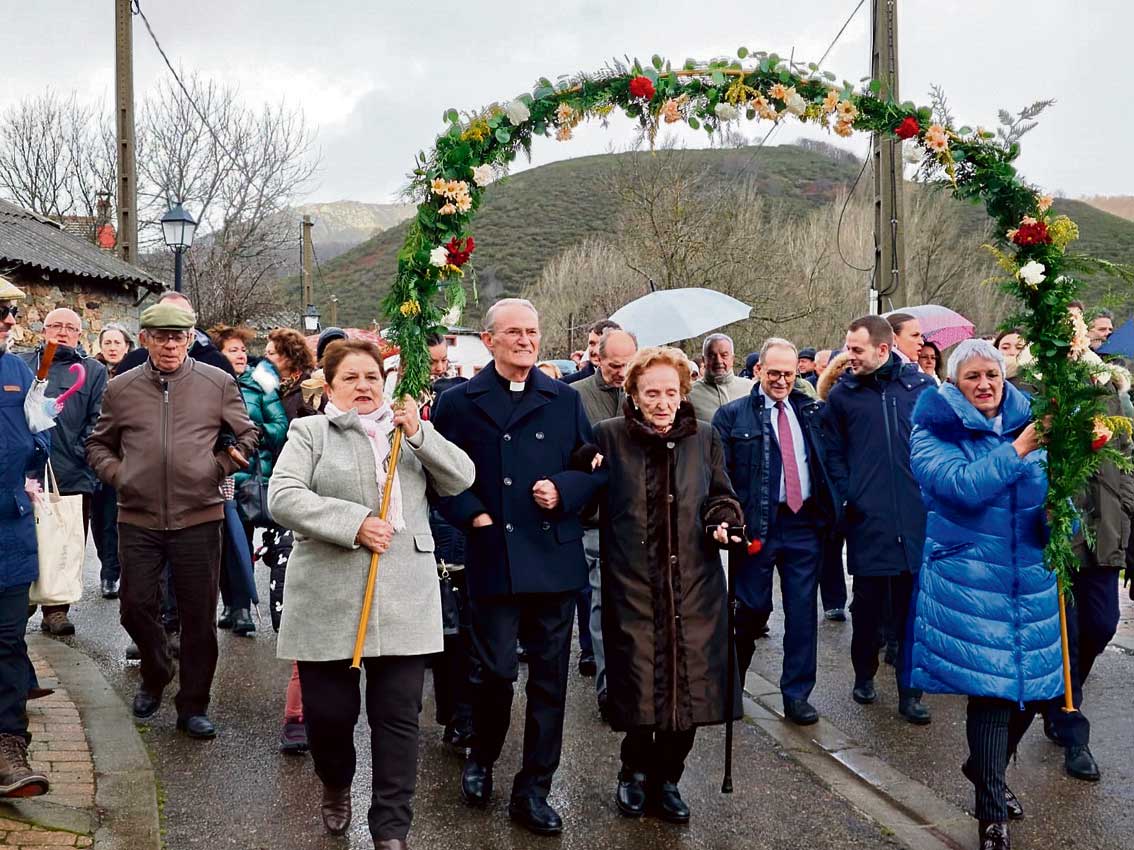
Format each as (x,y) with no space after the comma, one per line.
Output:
(839,229)
(839,34)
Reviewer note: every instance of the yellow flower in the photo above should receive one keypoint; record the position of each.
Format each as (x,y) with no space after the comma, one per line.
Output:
(478,131)
(438,185)
(1063,231)
(1044,203)
(936,138)
(410,308)
(847,110)
(779,91)
(831,101)
(604,110)
(844,128)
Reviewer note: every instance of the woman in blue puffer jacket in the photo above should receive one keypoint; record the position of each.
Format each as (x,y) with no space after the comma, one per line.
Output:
(987,612)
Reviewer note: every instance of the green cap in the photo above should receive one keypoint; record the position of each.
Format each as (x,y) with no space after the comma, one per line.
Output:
(167,317)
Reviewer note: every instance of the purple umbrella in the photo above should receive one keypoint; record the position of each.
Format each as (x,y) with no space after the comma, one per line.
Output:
(940,325)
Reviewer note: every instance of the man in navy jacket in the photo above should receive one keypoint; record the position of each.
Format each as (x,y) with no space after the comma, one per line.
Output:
(524,561)
(773,447)
(868,423)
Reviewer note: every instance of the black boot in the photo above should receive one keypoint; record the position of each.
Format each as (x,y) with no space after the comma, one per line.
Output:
(242,623)
(994,836)
(227,616)
(630,794)
(666,801)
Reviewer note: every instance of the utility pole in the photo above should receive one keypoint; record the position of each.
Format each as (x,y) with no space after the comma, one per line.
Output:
(308,262)
(889,286)
(124,114)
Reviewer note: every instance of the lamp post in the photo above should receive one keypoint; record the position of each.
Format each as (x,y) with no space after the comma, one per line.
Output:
(311,320)
(178,227)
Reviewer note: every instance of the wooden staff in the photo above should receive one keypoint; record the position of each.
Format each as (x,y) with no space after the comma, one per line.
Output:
(372,578)
(1068,701)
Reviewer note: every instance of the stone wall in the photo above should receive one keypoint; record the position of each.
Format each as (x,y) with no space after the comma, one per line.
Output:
(98,302)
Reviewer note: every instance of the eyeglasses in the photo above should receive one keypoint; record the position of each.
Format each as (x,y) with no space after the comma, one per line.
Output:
(7,310)
(775,375)
(163,337)
(60,326)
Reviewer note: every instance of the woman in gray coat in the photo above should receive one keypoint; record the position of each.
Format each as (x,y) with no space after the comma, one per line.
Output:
(326,487)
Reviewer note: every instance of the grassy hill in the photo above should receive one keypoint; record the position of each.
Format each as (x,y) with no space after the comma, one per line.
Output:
(529,218)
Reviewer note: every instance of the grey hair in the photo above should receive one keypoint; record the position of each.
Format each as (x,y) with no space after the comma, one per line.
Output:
(114,326)
(711,338)
(777,342)
(974,349)
(490,316)
(1102,313)
(608,333)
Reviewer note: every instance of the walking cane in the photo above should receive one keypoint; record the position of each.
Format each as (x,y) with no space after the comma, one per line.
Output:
(1068,700)
(734,553)
(372,577)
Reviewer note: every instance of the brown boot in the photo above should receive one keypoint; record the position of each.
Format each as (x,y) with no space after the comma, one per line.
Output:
(17,779)
(56,623)
(336,809)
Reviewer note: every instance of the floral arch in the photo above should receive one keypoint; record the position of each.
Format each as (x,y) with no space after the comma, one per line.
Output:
(475,148)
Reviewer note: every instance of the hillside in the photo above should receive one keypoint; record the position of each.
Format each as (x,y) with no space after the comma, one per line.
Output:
(530,217)
(340,225)
(1119,205)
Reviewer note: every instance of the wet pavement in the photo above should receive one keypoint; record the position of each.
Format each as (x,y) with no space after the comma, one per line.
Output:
(238,792)
(1061,812)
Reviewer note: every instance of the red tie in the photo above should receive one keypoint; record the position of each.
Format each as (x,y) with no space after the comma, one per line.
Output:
(794,494)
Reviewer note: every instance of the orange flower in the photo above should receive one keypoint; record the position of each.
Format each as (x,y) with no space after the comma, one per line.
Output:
(1044,203)
(936,138)
(670,111)
(563,134)
(847,110)
(831,101)
(844,128)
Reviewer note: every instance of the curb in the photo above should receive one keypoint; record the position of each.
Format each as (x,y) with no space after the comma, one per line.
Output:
(125,785)
(908,810)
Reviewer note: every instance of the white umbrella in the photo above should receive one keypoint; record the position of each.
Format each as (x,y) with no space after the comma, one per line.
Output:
(669,315)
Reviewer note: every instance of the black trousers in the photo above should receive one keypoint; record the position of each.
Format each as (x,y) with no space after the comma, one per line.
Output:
(331,703)
(193,559)
(452,667)
(832,578)
(879,600)
(104,530)
(14,663)
(545,620)
(994,728)
(659,755)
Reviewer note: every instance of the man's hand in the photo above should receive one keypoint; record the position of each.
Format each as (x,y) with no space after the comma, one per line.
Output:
(240,460)
(720,534)
(375,534)
(406,416)
(546,494)
(481,521)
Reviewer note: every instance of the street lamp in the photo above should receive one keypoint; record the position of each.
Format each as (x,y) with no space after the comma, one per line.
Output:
(311,320)
(178,227)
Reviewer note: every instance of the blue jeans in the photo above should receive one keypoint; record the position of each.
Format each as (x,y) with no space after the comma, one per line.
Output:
(15,668)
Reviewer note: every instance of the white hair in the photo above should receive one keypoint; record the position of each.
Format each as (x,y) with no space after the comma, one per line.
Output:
(490,316)
(777,342)
(711,338)
(974,349)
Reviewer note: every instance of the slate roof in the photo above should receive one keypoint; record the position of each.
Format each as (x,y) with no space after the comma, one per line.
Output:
(29,239)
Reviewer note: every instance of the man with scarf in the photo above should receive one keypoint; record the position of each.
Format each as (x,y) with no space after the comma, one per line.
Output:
(720,385)
(868,423)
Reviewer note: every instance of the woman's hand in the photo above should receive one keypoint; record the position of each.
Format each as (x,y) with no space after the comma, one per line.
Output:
(406,416)
(1028,441)
(597,462)
(481,521)
(375,534)
(720,534)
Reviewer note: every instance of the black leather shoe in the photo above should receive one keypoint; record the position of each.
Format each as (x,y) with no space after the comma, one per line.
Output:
(587,667)
(227,616)
(335,809)
(109,589)
(1080,764)
(864,693)
(146,704)
(994,836)
(1050,732)
(476,784)
(242,622)
(535,815)
(912,709)
(666,801)
(1011,801)
(630,795)
(457,738)
(800,712)
(197,726)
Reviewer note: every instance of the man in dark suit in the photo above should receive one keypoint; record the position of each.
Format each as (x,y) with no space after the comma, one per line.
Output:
(524,561)
(773,448)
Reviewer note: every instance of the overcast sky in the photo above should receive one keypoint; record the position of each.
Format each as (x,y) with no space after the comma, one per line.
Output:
(374,76)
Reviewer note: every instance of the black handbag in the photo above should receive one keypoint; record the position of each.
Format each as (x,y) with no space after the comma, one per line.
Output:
(252,498)
(450,601)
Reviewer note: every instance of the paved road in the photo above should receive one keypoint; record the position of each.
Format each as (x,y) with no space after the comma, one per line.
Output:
(238,792)
(1061,812)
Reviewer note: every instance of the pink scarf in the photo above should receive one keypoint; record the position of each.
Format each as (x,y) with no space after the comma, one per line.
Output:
(378,426)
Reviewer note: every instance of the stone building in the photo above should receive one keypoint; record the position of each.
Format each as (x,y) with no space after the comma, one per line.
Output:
(58,269)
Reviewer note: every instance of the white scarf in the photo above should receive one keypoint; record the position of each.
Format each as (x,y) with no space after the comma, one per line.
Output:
(378,426)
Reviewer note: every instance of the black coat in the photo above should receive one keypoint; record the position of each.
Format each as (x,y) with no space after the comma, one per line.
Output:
(867,422)
(580,374)
(78,419)
(527,549)
(664,599)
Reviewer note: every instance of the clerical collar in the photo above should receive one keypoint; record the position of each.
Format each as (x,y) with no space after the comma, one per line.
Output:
(515,388)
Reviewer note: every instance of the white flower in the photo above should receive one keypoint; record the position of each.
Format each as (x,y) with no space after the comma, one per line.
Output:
(726,112)
(517,112)
(1032,273)
(439,257)
(796,104)
(482,175)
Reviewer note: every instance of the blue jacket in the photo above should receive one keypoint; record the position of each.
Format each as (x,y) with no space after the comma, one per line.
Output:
(753,456)
(526,549)
(987,617)
(867,423)
(23,454)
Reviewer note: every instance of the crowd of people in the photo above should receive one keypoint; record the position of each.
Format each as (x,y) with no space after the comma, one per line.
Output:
(523,502)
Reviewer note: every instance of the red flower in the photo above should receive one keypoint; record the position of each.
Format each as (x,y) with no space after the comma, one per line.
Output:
(755,546)
(457,256)
(642,87)
(1098,442)
(908,129)
(1034,233)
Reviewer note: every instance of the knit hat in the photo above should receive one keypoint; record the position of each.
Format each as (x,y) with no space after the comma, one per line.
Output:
(807,354)
(328,336)
(167,317)
(8,292)
(749,370)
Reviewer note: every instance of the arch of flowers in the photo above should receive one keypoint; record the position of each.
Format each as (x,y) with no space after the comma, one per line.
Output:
(475,148)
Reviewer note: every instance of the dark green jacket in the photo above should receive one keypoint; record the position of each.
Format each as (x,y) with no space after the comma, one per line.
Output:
(267,412)
(1108,505)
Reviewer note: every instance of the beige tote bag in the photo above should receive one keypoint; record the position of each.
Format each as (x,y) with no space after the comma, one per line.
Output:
(62,546)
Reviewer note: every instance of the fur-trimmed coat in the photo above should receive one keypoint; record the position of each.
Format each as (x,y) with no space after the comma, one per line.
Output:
(664,614)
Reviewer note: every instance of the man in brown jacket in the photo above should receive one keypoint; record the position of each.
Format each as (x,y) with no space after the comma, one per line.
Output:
(156,444)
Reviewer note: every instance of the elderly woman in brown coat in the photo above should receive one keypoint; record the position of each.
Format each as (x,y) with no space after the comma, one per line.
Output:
(664,595)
